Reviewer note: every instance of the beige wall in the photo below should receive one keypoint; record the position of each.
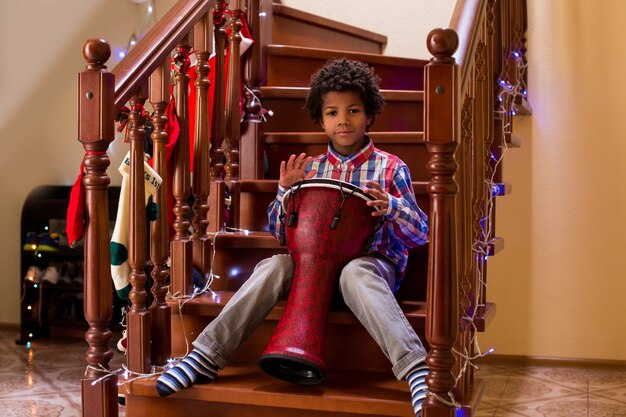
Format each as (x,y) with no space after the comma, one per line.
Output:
(40,50)
(560,281)
(406,23)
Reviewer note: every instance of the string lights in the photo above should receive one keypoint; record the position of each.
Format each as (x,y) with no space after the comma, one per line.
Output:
(182,300)
(510,89)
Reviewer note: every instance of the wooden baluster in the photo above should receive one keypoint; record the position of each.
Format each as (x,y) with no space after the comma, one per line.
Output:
(96,114)
(521,105)
(159,230)
(500,69)
(232,97)
(465,177)
(218,126)
(490,89)
(138,317)
(201,245)
(441,134)
(181,246)
(251,155)
(509,71)
(233,117)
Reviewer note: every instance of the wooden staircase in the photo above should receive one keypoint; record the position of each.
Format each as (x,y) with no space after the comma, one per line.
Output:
(440,118)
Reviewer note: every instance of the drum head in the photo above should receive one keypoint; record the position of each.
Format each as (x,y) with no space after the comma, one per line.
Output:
(346,187)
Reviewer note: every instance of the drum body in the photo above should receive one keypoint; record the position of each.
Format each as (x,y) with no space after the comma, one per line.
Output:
(327,224)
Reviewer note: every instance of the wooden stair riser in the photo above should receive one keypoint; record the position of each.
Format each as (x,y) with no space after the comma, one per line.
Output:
(139,406)
(235,265)
(293,67)
(295,28)
(412,152)
(289,116)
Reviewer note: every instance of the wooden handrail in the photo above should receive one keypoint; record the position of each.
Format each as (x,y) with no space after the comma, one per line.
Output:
(133,71)
(466,22)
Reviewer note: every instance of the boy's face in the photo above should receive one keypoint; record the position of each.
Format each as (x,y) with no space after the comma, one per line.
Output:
(344,121)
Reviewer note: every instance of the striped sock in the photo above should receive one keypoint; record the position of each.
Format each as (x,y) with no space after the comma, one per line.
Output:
(185,373)
(417,385)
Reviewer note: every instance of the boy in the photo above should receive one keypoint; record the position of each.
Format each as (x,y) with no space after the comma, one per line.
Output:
(344,99)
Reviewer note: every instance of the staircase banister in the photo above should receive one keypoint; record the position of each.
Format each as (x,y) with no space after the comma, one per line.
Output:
(466,22)
(133,71)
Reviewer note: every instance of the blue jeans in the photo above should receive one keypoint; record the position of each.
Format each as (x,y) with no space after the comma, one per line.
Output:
(365,284)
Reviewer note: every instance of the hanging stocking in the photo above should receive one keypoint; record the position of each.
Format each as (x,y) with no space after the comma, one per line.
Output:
(120,270)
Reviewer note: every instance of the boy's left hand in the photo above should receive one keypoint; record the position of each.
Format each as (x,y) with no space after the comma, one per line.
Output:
(381,197)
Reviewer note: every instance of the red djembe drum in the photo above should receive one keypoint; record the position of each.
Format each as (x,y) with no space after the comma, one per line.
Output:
(327,225)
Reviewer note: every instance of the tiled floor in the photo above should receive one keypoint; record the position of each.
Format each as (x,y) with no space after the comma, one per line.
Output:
(45,381)
(552,391)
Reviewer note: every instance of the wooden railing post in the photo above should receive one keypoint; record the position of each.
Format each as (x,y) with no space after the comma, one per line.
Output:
(181,246)
(252,129)
(138,317)
(233,129)
(159,230)
(218,126)
(442,134)
(95,131)
(202,39)
(233,116)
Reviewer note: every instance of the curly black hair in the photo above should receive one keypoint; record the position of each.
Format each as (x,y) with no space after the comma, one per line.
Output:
(344,75)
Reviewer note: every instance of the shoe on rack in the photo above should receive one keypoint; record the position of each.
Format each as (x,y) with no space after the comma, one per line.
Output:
(34,274)
(31,242)
(51,275)
(48,242)
(122,343)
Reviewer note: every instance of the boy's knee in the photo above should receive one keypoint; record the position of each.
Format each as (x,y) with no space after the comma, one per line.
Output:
(276,270)
(283,264)
(361,274)
(355,274)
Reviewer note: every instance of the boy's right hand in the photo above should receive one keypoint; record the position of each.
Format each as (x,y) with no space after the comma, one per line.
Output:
(292,171)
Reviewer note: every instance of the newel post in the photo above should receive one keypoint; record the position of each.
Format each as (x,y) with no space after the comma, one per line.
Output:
(95,131)
(442,128)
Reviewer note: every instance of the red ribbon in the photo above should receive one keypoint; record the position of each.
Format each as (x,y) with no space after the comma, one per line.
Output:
(122,117)
(182,61)
(75,219)
(219,14)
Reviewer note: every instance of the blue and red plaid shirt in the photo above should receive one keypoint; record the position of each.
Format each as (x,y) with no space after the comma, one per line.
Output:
(407,225)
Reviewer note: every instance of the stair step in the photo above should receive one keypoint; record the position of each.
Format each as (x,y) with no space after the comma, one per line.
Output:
(298,28)
(243,389)
(403,112)
(293,66)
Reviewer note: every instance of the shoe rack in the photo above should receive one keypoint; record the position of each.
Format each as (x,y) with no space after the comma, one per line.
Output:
(51,278)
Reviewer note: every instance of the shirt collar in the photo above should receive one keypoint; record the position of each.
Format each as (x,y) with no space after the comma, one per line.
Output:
(356,159)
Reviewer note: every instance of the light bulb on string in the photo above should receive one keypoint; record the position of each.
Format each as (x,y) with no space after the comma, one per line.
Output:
(482,243)
(145,18)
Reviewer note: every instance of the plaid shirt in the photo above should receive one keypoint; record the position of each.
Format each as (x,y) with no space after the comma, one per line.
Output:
(407,225)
